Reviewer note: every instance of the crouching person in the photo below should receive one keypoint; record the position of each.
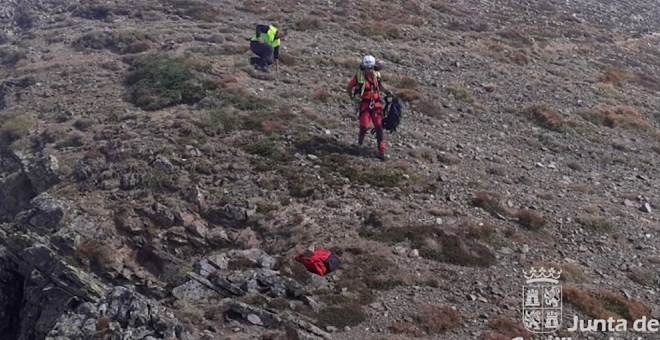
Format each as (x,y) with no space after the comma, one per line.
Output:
(266,45)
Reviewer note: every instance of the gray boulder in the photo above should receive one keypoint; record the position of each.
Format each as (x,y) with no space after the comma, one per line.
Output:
(48,212)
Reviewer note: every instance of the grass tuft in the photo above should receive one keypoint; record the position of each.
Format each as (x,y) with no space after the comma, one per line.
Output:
(159,81)
(545,117)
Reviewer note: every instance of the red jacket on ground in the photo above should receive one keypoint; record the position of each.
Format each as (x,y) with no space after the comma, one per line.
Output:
(315,262)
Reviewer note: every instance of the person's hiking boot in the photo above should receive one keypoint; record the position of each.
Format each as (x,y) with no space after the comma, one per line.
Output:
(358,147)
(258,65)
(383,156)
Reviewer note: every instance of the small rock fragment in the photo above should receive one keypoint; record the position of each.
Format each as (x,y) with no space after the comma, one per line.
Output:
(645,208)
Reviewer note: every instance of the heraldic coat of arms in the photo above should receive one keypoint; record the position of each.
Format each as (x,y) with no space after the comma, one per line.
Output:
(542,302)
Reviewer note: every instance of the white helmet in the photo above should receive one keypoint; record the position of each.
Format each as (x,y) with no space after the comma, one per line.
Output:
(369,61)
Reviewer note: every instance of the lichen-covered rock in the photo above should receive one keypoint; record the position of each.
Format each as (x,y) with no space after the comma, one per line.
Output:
(15,194)
(48,212)
(255,255)
(129,181)
(217,237)
(159,262)
(11,287)
(227,215)
(192,291)
(42,171)
(128,315)
(83,170)
(254,314)
(163,164)
(160,214)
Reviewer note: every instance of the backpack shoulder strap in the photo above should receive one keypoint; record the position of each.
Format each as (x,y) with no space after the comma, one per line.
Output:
(360,76)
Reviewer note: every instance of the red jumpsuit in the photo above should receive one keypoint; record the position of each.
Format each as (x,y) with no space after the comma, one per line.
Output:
(367,115)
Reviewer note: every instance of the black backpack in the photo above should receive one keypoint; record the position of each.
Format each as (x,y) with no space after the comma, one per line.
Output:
(393,112)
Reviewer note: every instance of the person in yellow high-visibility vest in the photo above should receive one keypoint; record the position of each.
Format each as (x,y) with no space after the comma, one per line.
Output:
(266,45)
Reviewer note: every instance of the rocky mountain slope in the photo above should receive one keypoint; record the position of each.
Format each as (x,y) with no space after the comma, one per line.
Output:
(153,185)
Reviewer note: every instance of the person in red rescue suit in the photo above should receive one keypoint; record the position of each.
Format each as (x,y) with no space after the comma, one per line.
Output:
(368,86)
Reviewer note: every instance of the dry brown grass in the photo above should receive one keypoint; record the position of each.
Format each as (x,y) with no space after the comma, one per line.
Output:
(428,108)
(647,81)
(461,93)
(15,126)
(100,255)
(138,47)
(490,87)
(581,188)
(495,336)
(615,117)
(435,244)
(496,170)
(226,81)
(102,326)
(187,312)
(322,95)
(478,230)
(201,65)
(402,165)
(530,220)
(596,224)
(437,319)
(575,166)
(408,95)
(490,202)
(102,323)
(11,57)
(406,82)
(519,58)
(229,49)
(442,6)
(442,212)
(545,116)
(506,329)
(482,231)
(405,327)
(607,90)
(309,24)
(642,277)
(516,38)
(271,126)
(345,314)
(424,153)
(196,10)
(623,116)
(287,334)
(614,75)
(603,304)
(255,6)
(122,42)
(287,59)
(375,29)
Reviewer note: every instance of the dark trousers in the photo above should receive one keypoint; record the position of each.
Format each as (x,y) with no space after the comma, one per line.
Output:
(264,52)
